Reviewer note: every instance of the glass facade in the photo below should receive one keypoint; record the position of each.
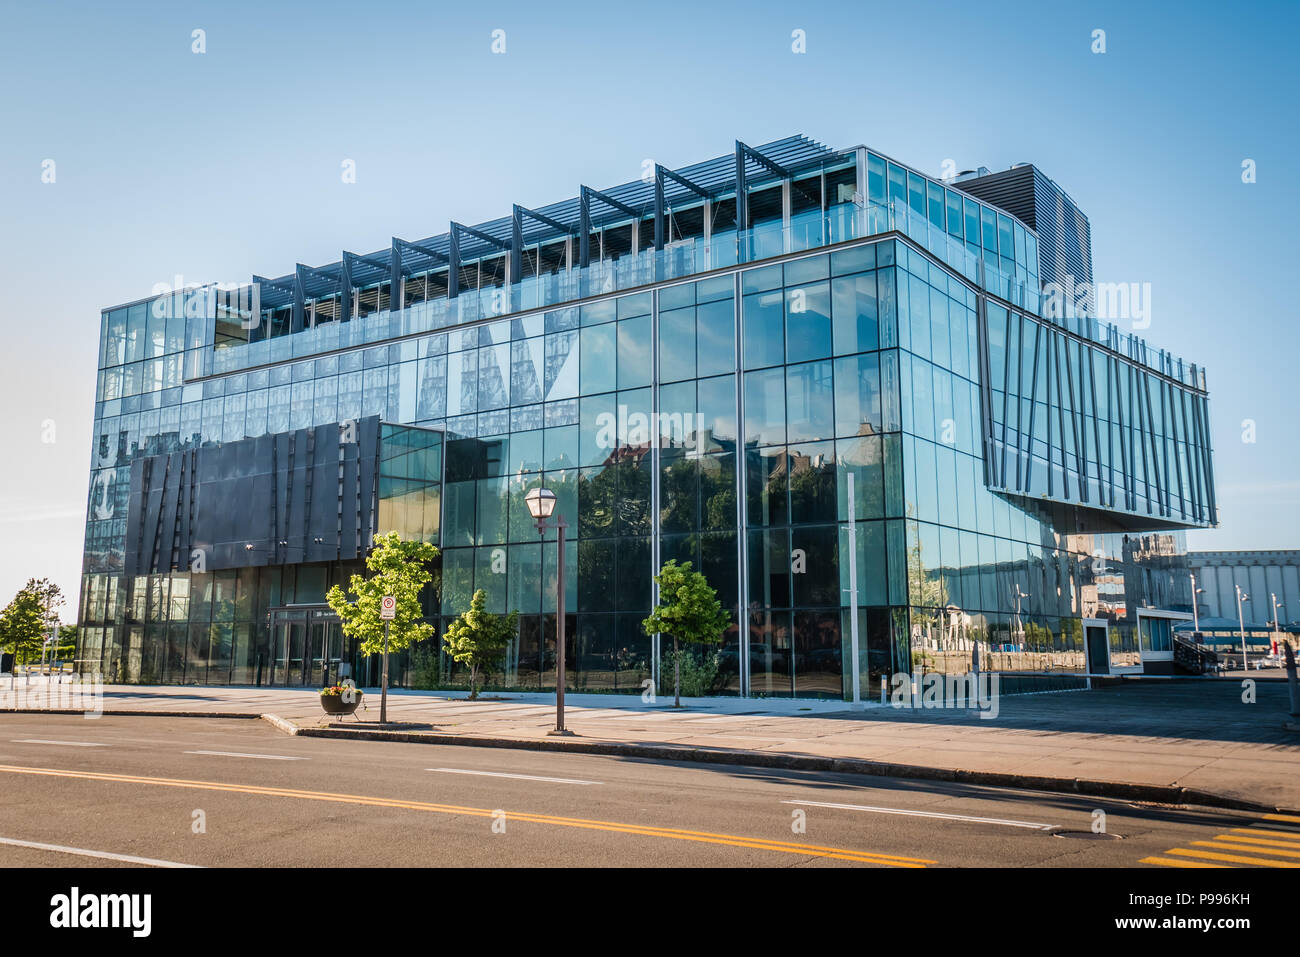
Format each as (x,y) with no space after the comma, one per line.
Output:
(704,395)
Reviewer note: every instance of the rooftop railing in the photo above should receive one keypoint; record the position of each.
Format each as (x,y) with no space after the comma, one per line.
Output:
(681,260)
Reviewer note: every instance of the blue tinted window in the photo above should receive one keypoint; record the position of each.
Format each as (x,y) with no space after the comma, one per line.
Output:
(634,363)
(935,203)
(916,193)
(897,184)
(855,313)
(807,270)
(717,409)
(765,407)
(677,344)
(764,318)
(675,297)
(598,312)
(954,213)
(875,179)
(988,229)
(598,355)
(1005,242)
(808,322)
(810,402)
(715,326)
(853,260)
(758,280)
(857,395)
(630,306)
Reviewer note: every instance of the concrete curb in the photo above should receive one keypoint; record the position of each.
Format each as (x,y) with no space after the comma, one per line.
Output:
(280,724)
(1153,793)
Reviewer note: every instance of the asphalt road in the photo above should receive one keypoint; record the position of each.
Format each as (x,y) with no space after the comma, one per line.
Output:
(221,793)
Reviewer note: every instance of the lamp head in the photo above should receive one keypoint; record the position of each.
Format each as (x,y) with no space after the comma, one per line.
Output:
(541,503)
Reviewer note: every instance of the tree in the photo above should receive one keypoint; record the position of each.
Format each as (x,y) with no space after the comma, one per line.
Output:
(398,568)
(25,622)
(688,610)
(67,643)
(22,627)
(478,638)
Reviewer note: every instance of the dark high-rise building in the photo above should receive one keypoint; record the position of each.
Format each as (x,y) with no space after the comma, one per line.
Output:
(697,364)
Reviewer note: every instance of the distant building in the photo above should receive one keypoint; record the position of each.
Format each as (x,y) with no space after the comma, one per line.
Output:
(1262,575)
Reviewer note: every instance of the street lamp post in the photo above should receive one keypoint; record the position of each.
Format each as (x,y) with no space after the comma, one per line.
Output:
(1241,623)
(541,503)
(1276,624)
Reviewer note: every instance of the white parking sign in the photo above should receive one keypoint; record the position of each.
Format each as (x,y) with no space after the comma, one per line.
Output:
(388,608)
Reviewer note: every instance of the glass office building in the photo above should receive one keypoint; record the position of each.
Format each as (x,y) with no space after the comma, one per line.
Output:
(698,363)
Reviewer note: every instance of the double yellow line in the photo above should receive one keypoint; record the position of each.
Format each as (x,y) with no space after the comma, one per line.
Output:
(642,830)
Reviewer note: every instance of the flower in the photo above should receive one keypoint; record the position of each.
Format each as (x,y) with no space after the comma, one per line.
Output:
(337,690)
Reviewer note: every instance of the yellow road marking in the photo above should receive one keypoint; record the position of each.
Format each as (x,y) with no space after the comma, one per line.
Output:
(1225,841)
(1231,858)
(1267,833)
(1282,817)
(703,837)
(1256,840)
(1171,862)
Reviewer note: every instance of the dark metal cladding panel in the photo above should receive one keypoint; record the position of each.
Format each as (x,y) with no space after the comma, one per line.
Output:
(1064,234)
(230,489)
(1010,189)
(135,519)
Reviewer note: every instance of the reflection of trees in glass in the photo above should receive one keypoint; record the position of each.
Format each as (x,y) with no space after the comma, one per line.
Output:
(616,499)
(718,491)
(925,589)
(812,487)
(677,495)
(713,478)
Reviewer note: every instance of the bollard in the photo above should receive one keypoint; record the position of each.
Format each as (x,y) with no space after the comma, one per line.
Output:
(1292,682)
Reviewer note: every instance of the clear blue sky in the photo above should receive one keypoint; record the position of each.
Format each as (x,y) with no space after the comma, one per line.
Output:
(219,165)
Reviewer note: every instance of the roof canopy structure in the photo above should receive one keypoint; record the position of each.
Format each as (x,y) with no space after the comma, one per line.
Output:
(653,196)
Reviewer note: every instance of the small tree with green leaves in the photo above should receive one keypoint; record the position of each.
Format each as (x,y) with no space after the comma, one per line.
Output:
(26,621)
(688,610)
(22,626)
(399,568)
(478,638)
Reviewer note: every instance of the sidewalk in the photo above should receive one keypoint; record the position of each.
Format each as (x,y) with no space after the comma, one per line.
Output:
(1194,735)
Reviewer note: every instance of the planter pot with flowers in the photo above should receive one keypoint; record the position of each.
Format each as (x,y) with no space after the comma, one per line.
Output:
(340,699)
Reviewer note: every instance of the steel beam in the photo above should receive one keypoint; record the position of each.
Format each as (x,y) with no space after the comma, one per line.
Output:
(742,181)
(585,195)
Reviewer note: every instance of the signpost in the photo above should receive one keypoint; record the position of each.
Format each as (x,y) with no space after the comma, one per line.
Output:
(387,612)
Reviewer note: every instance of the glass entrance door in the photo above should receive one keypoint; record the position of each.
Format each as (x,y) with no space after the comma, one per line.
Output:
(316,659)
(307,646)
(289,653)
(1097,646)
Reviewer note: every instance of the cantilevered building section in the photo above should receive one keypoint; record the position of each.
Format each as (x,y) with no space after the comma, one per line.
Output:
(695,363)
